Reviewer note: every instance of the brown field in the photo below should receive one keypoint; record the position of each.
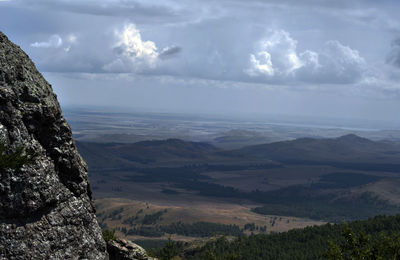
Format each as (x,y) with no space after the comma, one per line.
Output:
(208,211)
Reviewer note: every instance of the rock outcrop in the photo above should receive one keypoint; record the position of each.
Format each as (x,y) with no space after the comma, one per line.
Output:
(46,209)
(120,249)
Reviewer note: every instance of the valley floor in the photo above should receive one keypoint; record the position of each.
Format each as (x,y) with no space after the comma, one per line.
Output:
(113,213)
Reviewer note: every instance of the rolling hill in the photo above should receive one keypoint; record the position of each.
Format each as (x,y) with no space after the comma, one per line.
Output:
(348,148)
(106,155)
(322,179)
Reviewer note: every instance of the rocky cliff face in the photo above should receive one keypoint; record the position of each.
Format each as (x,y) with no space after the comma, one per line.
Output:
(46,209)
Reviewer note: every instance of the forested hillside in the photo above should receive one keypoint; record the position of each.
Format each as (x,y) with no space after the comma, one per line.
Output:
(370,239)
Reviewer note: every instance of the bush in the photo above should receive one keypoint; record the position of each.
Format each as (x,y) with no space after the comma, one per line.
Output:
(14,160)
(108,234)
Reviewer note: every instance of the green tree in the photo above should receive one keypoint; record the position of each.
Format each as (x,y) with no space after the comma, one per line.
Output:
(169,251)
(362,247)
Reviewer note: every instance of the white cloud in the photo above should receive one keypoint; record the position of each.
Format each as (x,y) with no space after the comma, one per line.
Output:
(261,64)
(310,60)
(72,38)
(55,41)
(132,45)
(134,54)
(340,63)
(277,59)
(276,56)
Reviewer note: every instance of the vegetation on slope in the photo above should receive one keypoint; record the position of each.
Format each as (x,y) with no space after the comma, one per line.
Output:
(376,238)
(16,159)
(196,229)
(355,162)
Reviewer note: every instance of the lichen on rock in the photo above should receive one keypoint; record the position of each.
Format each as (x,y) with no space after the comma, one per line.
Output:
(121,249)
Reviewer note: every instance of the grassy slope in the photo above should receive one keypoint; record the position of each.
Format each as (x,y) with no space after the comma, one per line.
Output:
(114,212)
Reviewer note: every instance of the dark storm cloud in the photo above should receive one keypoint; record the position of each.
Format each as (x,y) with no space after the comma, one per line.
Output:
(394,55)
(169,52)
(149,12)
(106,8)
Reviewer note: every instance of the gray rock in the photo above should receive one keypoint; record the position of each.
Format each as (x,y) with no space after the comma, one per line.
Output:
(46,209)
(120,249)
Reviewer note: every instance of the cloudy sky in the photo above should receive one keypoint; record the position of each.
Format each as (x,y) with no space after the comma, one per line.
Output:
(329,58)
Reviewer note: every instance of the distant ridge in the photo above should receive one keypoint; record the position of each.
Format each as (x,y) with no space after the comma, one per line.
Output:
(353,138)
(344,148)
(348,149)
(145,152)
(168,143)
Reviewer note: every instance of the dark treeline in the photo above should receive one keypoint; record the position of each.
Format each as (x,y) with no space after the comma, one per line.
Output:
(187,172)
(149,219)
(307,243)
(362,166)
(337,180)
(303,201)
(201,229)
(196,229)
(145,231)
